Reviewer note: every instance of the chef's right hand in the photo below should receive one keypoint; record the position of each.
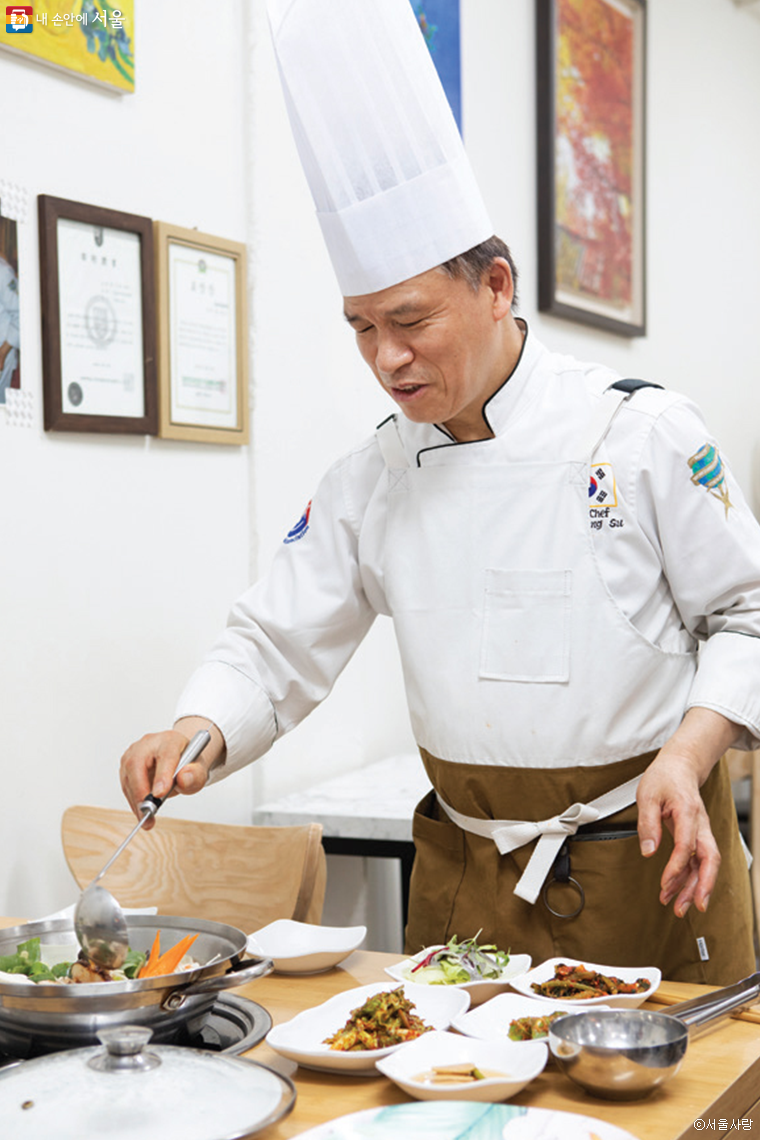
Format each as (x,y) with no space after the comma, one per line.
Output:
(148,765)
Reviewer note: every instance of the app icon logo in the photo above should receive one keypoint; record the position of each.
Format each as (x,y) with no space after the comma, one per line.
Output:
(19,18)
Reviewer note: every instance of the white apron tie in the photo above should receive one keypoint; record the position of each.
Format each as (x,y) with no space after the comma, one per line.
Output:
(509,834)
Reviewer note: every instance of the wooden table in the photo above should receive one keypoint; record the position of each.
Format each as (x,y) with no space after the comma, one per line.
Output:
(719,1080)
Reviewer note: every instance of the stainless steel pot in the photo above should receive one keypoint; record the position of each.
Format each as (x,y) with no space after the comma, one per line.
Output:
(623,1054)
(44,1017)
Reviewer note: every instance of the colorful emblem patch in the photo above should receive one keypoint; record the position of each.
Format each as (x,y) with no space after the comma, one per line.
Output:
(707,471)
(299,530)
(601,487)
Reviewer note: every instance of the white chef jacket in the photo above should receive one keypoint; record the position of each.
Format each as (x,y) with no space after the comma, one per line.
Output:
(680,559)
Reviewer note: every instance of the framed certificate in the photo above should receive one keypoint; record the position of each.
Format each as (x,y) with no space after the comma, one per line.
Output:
(98,331)
(203,361)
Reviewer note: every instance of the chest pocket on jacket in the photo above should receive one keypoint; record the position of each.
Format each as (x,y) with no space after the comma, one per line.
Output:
(526,625)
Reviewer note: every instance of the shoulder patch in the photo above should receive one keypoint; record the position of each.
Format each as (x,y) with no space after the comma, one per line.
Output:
(301,527)
(707,471)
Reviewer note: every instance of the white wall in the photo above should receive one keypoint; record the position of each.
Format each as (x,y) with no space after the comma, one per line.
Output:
(102,613)
(119,554)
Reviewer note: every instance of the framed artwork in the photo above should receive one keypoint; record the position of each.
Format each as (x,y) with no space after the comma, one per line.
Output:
(10,340)
(98,331)
(591,78)
(439,24)
(91,39)
(202,320)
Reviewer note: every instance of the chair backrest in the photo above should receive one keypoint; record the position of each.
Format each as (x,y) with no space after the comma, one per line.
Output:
(740,766)
(244,876)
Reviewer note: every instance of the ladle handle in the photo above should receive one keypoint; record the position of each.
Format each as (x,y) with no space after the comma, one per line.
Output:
(150,805)
(701,1013)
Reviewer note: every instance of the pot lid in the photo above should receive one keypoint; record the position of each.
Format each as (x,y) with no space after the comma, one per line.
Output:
(130,1088)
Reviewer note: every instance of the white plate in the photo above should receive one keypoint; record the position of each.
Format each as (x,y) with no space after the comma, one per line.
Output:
(491,1020)
(516,1065)
(302,1038)
(546,971)
(479,991)
(451,1120)
(300,948)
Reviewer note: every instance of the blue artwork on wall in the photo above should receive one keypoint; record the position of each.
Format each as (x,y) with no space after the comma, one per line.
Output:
(439,23)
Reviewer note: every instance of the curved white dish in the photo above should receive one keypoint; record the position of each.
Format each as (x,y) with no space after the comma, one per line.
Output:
(516,1064)
(300,948)
(546,971)
(447,1120)
(302,1038)
(491,1020)
(479,991)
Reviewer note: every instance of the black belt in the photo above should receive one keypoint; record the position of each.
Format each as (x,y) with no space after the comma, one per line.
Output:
(560,872)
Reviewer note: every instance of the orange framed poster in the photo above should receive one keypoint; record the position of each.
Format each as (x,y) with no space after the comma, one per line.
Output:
(591,152)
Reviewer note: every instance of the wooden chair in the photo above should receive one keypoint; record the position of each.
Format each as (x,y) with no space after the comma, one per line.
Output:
(740,766)
(244,876)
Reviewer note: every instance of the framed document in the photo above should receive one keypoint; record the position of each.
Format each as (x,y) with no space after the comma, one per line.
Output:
(591,71)
(203,362)
(98,331)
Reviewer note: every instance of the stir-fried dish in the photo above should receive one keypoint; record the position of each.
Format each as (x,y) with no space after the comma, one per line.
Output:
(384,1019)
(529,1028)
(459,962)
(27,963)
(578,982)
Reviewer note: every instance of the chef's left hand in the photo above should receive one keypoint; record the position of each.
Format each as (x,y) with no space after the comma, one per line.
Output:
(669,793)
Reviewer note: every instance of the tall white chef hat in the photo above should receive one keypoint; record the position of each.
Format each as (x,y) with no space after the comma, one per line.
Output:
(394,190)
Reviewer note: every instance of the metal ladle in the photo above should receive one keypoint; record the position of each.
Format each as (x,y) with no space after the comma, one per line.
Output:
(623,1054)
(99,922)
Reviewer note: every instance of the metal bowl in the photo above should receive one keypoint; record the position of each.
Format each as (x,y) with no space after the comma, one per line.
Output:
(40,1018)
(618,1054)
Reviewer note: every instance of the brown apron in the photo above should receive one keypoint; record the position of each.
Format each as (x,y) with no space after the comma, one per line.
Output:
(461,884)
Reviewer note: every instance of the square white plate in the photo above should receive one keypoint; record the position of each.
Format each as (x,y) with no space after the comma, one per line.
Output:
(301,948)
(516,1065)
(302,1038)
(479,991)
(491,1020)
(547,969)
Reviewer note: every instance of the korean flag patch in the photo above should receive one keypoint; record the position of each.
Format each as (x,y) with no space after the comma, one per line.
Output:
(601,487)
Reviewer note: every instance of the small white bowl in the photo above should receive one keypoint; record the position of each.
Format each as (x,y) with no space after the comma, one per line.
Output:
(547,970)
(491,1020)
(300,948)
(516,1064)
(479,991)
(302,1039)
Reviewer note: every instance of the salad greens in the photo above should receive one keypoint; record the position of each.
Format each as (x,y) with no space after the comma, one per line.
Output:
(459,962)
(28,960)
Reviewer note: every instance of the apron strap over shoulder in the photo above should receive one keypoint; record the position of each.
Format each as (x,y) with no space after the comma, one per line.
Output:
(607,408)
(509,834)
(391,447)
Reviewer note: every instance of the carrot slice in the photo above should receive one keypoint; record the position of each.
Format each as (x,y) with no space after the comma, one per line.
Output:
(168,962)
(146,969)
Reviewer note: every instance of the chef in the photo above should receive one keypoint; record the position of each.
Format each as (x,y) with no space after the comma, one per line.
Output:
(572,572)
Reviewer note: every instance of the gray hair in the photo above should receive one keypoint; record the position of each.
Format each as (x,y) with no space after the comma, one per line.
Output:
(475,263)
